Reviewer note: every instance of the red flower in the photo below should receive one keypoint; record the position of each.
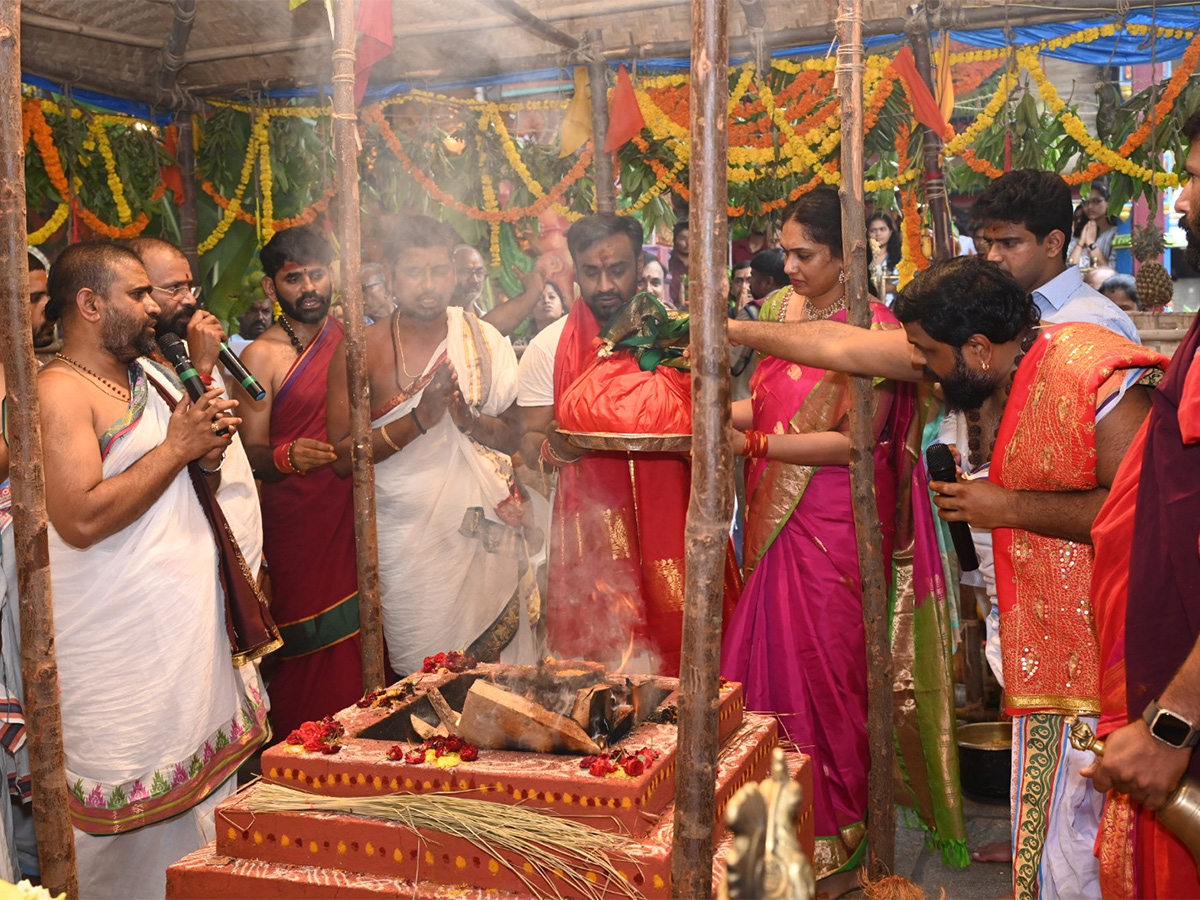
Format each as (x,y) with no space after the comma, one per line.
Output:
(396,752)
(453,744)
(469,752)
(586,762)
(415,758)
(633,767)
(454,661)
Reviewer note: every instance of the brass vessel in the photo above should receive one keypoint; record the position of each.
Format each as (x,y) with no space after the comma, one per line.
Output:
(1180,814)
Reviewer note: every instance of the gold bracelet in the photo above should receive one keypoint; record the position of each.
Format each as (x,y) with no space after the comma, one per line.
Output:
(387,438)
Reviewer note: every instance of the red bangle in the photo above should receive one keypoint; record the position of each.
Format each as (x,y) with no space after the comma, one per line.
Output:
(282,455)
(550,457)
(755,445)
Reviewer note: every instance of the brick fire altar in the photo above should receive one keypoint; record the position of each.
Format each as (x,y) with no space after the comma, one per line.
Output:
(532,726)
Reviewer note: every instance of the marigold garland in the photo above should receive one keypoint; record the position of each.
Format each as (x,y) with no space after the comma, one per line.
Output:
(55,222)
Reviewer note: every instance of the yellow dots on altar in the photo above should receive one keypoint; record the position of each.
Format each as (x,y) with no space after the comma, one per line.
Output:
(626,803)
(312,847)
(397,855)
(408,783)
(362,779)
(232,833)
(299,774)
(462,784)
(284,840)
(558,873)
(287,773)
(429,857)
(590,876)
(378,782)
(369,849)
(500,786)
(567,798)
(258,838)
(341,848)
(516,793)
(658,882)
(345,778)
(493,866)
(274,773)
(395,784)
(528,867)
(460,862)
(427,785)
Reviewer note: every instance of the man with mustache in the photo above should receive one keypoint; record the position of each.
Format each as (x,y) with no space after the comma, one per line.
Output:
(1146,591)
(453,569)
(156,718)
(307,510)
(614,577)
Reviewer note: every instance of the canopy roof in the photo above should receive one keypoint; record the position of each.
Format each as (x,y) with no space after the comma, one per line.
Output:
(171,53)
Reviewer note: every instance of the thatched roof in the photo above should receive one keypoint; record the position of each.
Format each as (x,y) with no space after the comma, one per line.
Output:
(120,46)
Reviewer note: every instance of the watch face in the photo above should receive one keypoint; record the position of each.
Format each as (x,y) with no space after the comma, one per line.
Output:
(1170,728)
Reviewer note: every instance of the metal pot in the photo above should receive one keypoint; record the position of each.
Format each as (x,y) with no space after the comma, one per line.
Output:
(985,758)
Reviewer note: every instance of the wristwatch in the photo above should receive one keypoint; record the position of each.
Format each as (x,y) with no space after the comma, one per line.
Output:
(1170,728)
(1092,246)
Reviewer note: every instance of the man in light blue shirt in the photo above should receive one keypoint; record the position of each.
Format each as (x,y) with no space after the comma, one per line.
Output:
(1023,224)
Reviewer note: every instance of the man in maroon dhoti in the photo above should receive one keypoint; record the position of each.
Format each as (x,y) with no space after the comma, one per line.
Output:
(308,512)
(1146,591)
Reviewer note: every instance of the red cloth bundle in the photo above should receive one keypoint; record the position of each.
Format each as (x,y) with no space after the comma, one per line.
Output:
(614,396)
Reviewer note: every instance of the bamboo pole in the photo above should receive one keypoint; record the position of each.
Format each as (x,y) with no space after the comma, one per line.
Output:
(56,843)
(181,30)
(933,179)
(606,189)
(345,142)
(185,154)
(710,506)
(881,822)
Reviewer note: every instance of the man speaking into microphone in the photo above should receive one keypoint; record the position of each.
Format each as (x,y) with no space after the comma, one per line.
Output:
(180,314)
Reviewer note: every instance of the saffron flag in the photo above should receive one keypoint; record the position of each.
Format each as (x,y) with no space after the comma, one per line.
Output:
(577,122)
(945,80)
(925,108)
(625,120)
(373,22)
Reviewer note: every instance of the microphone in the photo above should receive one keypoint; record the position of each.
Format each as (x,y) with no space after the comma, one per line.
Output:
(230,361)
(176,353)
(939,464)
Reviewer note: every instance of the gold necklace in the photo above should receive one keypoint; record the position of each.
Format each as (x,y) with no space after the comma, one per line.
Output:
(831,310)
(97,379)
(399,348)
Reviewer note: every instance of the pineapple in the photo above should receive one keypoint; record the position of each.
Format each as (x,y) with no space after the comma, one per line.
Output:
(1153,283)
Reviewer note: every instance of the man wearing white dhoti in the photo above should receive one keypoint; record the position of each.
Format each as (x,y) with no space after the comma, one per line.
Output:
(453,566)
(156,718)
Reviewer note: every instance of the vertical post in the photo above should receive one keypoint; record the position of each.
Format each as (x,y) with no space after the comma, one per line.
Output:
(934,180)
(185,155)
(56,844)
(881,814)
(345,144)
(710,506)
(606,191)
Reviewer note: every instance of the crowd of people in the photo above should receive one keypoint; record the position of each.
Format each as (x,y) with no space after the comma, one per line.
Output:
(1072,442)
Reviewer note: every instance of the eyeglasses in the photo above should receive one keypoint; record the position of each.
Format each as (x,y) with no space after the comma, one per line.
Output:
(180,290)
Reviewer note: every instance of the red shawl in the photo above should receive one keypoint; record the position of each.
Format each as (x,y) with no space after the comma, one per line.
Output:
(616,549)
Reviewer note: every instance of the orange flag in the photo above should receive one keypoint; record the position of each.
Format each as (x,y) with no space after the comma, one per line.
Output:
(625,120)
(925,108)
(945,80)
(373,22)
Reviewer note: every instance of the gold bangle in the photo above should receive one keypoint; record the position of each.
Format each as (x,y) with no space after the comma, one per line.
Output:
(387,438)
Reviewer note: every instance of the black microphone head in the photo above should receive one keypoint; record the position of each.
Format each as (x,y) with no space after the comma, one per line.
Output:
(172,348)
(939,463)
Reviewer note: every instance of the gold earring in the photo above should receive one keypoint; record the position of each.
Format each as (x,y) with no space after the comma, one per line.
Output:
(841,276)
(984,366)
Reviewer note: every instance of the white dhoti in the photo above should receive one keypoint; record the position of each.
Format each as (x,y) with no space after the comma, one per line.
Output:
(449,565)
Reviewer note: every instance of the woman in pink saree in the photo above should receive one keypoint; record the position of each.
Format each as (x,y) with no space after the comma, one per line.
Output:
(796,640)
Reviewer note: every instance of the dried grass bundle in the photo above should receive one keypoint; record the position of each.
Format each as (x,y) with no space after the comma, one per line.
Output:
(548,843)
(892,887)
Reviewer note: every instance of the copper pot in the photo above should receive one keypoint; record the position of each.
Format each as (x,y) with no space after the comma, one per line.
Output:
(985,758)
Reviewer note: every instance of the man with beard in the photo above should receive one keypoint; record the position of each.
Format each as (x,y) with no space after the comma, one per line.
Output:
(1145,590)
(307,510)
(1051,410)
(44,337)
(612,576)
(177,299)
(470,276)
(251,324)
(453,569)
(156,718)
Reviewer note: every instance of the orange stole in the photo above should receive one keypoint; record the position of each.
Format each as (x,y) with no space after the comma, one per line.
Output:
(1047,442)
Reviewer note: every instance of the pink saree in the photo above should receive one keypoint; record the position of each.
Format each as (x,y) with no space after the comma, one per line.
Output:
(796,640)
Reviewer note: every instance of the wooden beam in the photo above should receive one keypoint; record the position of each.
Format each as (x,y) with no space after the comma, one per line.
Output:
(258,48)
(710,506)
(605,181)
(65,26)
(532,23)
(56,842)
(345,143)
(933,179)
(181,30)
(76,77)
(185,155)
(881,812)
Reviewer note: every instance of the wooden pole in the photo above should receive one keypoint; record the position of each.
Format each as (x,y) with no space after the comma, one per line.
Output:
(177,41)
(606,190)
(710,506)
(881,816)
(185,155)
(56,843)
(345,143)
(934,180)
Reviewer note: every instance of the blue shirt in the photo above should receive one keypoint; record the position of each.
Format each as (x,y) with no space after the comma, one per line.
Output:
(1065,298)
